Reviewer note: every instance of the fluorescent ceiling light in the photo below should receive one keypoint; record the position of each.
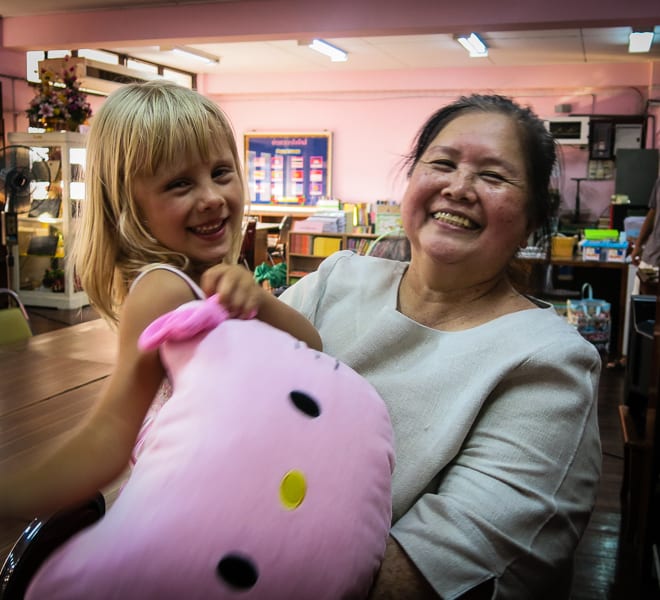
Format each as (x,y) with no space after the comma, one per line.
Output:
(640,41)
(335,54)
(474,45)
(204,57)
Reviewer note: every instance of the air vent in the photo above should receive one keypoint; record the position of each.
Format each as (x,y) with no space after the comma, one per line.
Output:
(96,76)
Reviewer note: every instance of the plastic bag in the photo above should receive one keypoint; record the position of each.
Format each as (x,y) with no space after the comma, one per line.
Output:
(591,317)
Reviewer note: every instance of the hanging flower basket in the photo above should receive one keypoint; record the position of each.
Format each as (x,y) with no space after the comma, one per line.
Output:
(59,105)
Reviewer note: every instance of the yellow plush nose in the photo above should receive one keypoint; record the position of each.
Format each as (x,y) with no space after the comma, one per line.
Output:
(293,488)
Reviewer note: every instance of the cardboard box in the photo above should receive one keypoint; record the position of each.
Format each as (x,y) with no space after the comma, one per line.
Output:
(604,251)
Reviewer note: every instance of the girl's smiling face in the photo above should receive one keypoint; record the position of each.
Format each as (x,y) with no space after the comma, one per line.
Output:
(466,200)
(195,208)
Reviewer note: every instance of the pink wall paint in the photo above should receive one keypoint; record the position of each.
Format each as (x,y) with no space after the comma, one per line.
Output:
(373,116)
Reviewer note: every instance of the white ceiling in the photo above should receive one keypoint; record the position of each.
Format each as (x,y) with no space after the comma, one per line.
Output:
(506,48)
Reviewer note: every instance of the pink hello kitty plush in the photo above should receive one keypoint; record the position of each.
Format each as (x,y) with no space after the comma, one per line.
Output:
(266,475)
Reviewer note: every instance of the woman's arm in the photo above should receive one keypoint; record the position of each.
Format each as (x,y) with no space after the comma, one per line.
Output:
(398,577)
(98,450)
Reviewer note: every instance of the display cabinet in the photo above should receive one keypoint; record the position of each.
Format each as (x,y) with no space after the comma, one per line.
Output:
(48,216)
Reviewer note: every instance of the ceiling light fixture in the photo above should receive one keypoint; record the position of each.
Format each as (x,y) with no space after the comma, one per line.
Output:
(640,41)
(195,54)
(335,54)
(473,44)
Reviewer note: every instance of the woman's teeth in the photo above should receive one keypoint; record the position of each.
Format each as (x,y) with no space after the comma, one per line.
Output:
(454,220)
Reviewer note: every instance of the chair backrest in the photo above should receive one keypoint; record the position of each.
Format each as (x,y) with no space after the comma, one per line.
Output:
(285,227)
(246,255)
(14,320)
(39,540)
(393,245)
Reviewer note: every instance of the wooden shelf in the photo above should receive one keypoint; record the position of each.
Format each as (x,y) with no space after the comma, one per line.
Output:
(303,255)
(306,250)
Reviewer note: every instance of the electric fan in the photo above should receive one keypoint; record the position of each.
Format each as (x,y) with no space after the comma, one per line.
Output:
(21,169)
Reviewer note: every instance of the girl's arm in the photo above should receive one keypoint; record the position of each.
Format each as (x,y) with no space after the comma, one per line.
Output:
(98,451)
(240,294)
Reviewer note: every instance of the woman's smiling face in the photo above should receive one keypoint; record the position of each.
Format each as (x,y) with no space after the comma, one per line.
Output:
(194,208)
(466,200)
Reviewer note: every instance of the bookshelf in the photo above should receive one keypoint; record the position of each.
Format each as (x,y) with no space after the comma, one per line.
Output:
(306,250)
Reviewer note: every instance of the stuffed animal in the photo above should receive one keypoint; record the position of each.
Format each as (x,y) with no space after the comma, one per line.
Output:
(266,475)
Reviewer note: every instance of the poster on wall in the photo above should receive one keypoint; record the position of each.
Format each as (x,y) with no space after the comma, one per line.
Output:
(288,168)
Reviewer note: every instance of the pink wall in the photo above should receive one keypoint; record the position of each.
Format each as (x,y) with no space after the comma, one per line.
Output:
(373,116)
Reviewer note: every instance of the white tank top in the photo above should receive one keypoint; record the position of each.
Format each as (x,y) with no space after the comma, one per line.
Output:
(193,286)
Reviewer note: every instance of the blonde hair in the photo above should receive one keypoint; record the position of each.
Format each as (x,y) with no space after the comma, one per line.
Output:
(138,129)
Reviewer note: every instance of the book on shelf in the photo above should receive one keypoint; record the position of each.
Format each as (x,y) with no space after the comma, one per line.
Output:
(324,246)
(330,221)
(358,245)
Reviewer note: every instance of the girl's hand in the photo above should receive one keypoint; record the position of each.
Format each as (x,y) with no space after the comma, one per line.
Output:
(237,290)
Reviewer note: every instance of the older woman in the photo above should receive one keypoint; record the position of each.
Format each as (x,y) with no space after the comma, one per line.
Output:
(491,394)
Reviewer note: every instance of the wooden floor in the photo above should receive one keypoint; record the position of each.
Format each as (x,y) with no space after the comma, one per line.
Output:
(600,565)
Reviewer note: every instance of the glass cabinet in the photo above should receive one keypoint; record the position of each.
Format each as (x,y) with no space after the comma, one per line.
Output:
(48,215)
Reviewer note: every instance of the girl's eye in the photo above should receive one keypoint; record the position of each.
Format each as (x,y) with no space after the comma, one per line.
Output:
(177,183)
(221,172)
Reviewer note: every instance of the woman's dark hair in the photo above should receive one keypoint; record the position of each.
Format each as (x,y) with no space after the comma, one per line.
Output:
(537,143)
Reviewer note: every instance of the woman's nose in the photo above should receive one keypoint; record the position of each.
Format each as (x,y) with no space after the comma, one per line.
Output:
(460,185)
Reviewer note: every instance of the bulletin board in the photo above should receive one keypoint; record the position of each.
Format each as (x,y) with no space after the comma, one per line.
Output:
(288,168)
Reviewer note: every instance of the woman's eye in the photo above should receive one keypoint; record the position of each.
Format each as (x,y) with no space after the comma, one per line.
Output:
(493,176)
(442,163)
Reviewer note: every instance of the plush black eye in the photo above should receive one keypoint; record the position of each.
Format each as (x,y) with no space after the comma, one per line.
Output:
(237,571)
(305,403)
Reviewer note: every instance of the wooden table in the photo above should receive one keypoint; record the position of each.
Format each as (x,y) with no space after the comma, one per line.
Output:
(47,385)
(609,281)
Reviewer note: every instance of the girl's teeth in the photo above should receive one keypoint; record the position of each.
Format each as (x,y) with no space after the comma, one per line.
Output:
(454,220)
(206,229)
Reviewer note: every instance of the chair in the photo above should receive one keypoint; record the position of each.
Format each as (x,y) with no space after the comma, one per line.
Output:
(640,489)
(278,249)
(14,320)
(38,541)
(246,255)
(392,244)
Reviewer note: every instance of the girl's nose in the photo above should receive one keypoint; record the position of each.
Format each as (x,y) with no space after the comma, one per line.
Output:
(209,197)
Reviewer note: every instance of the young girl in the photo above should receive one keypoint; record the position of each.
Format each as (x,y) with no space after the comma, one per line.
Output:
(165,198)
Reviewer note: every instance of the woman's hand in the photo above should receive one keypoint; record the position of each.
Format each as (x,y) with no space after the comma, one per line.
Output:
(236,288)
